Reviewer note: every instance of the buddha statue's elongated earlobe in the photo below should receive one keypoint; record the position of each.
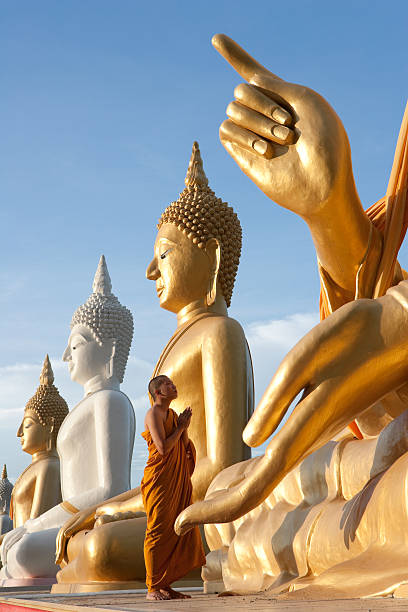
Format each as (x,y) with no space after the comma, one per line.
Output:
(50,424)
(213,251)
(109,366)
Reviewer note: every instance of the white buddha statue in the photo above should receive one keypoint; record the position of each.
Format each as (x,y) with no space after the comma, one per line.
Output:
(94,443)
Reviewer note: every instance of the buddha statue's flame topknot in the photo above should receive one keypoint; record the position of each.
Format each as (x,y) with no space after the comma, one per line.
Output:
(47,375)
(195,176)
(102,283)
(4,472)
(46,402)
(200,215)
(106,318)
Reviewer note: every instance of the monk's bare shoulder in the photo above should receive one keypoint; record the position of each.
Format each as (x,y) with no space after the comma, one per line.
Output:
(153,414)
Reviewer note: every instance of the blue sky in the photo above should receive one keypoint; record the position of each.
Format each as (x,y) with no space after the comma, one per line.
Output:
(100,104)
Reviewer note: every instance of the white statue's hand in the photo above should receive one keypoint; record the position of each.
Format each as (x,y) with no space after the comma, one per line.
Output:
(11,538)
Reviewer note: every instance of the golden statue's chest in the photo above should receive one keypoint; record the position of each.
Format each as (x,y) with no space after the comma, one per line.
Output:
(183,364)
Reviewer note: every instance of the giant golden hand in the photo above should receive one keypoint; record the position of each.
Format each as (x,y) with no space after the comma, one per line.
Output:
(285,137)
(291,143)
(84,519)
(343,365)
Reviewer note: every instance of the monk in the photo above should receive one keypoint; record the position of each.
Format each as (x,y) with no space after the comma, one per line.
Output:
(166,489)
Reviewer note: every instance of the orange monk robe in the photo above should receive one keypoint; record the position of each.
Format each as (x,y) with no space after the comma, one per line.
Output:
(166,488)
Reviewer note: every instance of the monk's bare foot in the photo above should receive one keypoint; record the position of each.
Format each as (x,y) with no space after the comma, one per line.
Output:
(174,594)
(157,595)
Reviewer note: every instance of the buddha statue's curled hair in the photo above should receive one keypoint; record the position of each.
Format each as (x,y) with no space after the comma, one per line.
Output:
(200,215)
(107,319)
(47,402)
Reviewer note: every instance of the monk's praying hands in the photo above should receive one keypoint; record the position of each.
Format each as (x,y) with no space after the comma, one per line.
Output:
(184,418)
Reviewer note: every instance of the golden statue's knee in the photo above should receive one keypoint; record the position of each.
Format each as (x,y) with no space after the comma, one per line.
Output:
(98,550)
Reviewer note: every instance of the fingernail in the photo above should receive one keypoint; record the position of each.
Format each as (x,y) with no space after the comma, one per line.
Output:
(281,115)
(280,132)
(260,146)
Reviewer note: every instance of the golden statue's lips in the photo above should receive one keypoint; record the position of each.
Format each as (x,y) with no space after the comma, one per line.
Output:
(159,290)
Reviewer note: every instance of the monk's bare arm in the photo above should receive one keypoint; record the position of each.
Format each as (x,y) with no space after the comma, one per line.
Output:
(185,438)
(155,424)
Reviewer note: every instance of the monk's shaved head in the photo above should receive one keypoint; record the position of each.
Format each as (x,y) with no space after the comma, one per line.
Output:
(156,383)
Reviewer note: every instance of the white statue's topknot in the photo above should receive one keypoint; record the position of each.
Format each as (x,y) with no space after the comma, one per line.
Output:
(106,318)
(102,282)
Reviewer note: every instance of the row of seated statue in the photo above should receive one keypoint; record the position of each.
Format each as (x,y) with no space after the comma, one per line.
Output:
(324,510)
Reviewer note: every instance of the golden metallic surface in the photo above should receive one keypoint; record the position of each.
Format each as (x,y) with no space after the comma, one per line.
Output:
(336,364)
(312,177)
(194,267)
(335,526)
(299,511)
(38,488)
(344,365)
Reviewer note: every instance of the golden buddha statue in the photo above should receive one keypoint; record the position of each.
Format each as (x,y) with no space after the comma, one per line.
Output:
(276,518)
(38,488)
(196,256)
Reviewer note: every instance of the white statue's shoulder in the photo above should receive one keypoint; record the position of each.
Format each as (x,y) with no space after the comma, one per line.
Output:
(106,399)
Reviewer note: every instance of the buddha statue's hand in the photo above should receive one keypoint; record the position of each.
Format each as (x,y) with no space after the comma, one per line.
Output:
(117,516)
(285,137)
(343,366)
(84,519)
(11,538)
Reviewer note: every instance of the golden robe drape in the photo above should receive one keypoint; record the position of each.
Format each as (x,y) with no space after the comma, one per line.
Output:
(166,488)
(390,216)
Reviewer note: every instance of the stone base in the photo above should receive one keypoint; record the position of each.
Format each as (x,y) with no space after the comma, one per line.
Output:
(189,581)
(28,582)
(213,586)
(96,587)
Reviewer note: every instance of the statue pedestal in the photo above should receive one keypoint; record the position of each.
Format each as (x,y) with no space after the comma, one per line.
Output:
(27,582)
(96,587)
(213,586)
(192,579)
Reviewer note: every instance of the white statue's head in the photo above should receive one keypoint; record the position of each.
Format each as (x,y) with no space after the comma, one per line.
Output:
(101,333)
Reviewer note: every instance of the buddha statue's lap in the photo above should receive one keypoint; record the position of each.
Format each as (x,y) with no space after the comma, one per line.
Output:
(343,501)
(207,358)
(94,442)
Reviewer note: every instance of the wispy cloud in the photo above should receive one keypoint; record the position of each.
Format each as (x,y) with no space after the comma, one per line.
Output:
(270,340)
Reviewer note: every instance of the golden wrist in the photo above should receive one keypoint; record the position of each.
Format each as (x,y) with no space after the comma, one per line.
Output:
(66,505)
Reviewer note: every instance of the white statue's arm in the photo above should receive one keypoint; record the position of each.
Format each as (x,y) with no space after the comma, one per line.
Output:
(228,399)
(114,427)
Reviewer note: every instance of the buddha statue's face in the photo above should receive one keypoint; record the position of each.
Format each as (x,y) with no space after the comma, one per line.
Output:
(34,437)
(85,357)
(181,270)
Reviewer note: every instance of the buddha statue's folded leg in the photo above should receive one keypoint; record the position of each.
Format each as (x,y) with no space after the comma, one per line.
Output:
(33,556)
(112,552)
